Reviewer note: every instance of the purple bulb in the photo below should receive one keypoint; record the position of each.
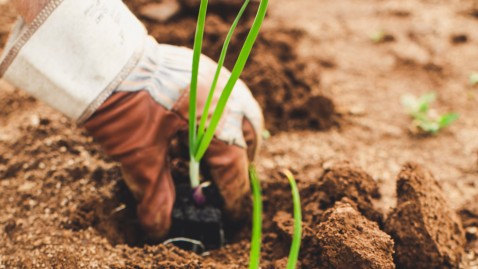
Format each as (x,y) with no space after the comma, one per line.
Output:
(198,196)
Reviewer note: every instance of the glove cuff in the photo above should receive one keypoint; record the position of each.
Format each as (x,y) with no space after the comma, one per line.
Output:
(74,54)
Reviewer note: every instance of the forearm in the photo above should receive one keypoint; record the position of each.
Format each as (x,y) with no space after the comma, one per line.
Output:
(75,54)
(29,9)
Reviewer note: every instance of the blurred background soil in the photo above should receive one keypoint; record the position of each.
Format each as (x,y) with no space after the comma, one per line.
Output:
(330,91)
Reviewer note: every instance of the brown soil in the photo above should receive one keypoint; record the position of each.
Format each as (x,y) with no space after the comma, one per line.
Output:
(346,239)
(427,233)
(63,203)
(344,180)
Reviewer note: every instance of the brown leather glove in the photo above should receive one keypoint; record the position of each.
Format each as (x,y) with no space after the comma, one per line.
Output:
(137,123)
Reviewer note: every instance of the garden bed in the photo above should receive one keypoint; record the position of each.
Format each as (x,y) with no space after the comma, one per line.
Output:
(331,99)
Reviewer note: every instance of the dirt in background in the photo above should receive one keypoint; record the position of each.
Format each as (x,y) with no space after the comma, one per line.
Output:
(64,204)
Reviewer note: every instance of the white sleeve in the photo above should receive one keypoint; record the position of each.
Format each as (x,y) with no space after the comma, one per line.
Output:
(74,54)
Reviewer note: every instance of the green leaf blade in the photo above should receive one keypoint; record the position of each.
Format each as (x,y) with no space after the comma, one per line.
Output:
(297,236)
(198,39)
(447,119)
(220,64)
(235,74)
(256,238)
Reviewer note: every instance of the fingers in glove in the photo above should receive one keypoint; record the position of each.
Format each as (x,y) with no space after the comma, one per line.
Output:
(135,130)
(228,167)
(252,139)
(148,171)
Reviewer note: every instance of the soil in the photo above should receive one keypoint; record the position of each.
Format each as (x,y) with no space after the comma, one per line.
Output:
(330,94)
(427,233)
(346,239)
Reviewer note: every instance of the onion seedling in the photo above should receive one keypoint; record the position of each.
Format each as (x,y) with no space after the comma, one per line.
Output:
(200,138)
(473,79)
(297,236)
(424,118)
(256,239)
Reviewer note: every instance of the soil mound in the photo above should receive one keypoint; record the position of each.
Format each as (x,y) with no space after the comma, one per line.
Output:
(346,239)
(427,233)
(345,180)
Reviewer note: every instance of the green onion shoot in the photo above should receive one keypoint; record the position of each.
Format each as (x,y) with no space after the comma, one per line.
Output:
(297,237)
(200,138)
(256,239)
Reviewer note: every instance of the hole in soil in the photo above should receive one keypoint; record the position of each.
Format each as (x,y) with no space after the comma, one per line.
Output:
(114,217)
(116,220)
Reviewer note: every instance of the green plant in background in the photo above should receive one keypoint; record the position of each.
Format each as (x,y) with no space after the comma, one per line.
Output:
(256,220)
(297,237)
(381,36)
(473,79)
(378,36)
(424,118)
(200,137)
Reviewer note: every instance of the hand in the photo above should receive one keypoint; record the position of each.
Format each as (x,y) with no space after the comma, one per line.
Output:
(137,124)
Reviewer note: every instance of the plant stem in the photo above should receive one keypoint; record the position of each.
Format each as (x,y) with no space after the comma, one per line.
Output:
(256,220)
(297,237)
(198,38)
(194,172)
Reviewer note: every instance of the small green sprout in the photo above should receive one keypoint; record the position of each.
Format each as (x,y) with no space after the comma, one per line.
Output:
(200,137)
(378,36)
(425,119)
(297,237)
(473,79)
(256,220)
(381,36)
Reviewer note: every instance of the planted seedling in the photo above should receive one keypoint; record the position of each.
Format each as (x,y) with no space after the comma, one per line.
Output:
(200,137)
(473,79)
(297,236)
(425,119)
(204,214)
(257,221)
(256,239)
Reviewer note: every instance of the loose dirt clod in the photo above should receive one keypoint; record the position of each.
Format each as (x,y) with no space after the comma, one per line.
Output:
(345,180)
(427,233)
(349,240)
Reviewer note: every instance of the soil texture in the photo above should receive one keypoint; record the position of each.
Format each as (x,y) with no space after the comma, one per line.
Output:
(346,239)
(329,76)
(427,233)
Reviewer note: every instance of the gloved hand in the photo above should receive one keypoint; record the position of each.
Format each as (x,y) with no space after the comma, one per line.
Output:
(150,108)
(132,96)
